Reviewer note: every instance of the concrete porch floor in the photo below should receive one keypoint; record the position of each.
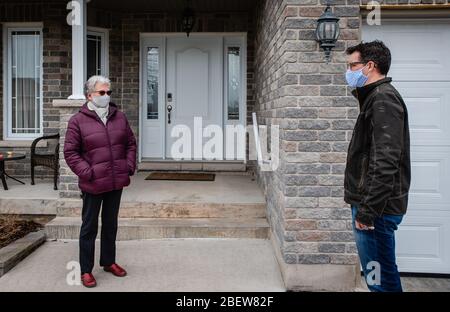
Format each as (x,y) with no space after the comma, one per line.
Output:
(157,265)
(226,188)
(173,265)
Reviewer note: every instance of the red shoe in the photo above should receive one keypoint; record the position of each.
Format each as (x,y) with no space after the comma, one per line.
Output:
(115,269)
(88,280)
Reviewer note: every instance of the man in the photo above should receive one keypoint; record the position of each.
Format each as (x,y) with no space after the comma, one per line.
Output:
(377,175)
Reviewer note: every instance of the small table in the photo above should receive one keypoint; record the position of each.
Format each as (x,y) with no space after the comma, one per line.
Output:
(6,157)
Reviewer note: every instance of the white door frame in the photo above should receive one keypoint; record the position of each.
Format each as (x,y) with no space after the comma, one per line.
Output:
(159,40)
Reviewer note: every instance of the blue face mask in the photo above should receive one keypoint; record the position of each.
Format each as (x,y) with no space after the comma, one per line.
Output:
(356,78)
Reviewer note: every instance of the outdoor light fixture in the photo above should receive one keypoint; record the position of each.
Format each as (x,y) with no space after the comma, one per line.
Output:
(327,31)
(188,20)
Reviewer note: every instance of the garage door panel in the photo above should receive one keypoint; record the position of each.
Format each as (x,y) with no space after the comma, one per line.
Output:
(420,73)
(428,111)
(430,180)
(415,54)
(421,243)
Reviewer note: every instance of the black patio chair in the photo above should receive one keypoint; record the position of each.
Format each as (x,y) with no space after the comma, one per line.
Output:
(48,158)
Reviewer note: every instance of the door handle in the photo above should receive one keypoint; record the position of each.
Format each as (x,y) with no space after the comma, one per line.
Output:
(169,109)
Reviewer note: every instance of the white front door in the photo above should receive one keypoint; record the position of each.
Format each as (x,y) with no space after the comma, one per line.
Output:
(420,72)
(191,89)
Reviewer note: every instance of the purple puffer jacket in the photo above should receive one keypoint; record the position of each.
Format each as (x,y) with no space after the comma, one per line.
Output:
(103,157)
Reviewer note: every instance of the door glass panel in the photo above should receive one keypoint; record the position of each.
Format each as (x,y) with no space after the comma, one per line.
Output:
(94,55)
(234,82)
(152,82)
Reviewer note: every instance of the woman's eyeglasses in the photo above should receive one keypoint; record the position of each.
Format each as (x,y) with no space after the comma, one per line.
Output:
(102,92)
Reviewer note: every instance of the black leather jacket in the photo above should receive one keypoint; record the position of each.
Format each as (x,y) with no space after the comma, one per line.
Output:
(378,171)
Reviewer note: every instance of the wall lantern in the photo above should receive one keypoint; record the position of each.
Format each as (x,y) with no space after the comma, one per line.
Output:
(188,20)
(327,31)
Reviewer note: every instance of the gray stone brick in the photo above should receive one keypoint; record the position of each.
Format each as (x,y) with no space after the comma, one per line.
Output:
(302,202)
(342,236)
(290,191)
(338,168)
(331,180)
(331,225)
(299,112)
(340,147)
(303,157)
(332,112)
(302,90)
(301,247)
(288,80)
(333,157)
(319,191)
(301,135)
(290,258)
(343,124)
(343,259)
(313,124)
(313,168)
(299,224)
(314,147)
(341,11)
(315,79)
(332,136)
(300,68)
(314,101)
(333,90)
(313,258)
(337,191)
(331,248)
(301,180)
(300,23)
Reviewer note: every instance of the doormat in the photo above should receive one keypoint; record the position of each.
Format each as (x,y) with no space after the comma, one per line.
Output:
(183,176)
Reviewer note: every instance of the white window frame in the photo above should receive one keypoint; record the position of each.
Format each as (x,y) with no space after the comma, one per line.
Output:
(8,28)
(103,33)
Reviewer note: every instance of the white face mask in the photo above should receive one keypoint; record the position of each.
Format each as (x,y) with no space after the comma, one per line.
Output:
(101,100)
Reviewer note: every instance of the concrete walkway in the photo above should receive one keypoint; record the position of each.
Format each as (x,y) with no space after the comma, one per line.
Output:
(157,265)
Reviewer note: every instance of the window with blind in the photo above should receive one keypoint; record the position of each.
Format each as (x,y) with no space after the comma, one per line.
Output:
(24,82)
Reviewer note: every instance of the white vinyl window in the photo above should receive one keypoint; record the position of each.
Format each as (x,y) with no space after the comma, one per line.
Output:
(23,83)
(97,52)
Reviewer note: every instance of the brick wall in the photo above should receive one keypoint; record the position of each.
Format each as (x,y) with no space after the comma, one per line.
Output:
(311,103)
(56,68)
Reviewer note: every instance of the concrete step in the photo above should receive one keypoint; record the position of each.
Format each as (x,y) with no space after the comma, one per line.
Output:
(192,165)
(174,210)
(157,228)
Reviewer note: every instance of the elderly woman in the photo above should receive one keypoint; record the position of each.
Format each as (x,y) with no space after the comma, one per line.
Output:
(100,148)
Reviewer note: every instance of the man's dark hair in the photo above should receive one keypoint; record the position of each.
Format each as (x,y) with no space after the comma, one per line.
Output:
(375,51)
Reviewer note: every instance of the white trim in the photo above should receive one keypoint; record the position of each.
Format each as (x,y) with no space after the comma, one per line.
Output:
(103,33)
(160,43)
(79,54)
(230,38)
(7,90)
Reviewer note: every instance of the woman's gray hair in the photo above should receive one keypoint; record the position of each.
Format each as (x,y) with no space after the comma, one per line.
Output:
(89,86)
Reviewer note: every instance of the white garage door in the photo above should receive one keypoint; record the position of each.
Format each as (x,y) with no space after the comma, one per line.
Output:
(421,72)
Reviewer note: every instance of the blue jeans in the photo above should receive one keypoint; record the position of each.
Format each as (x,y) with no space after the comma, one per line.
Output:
(376,249)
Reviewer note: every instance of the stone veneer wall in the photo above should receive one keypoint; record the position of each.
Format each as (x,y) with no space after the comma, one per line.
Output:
(311,103)
(309,100)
